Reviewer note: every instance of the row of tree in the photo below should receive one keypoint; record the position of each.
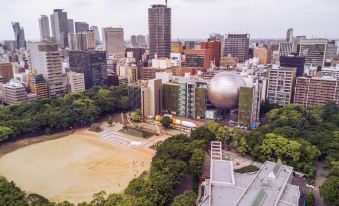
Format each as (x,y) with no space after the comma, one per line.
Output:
(60,113)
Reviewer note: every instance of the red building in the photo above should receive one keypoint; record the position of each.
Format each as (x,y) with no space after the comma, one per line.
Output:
(200,58)
(215,47)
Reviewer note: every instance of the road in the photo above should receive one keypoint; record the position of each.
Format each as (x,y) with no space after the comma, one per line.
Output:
(318,181)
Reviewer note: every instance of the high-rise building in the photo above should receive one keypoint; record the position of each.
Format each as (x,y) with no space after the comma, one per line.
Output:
(10,45)
(59,24)
(90,40)
(96,33)
(159,27)
(285,48)
(70,25)
(237,45)
(293,61)
(215,47)
(314,51)
(281,82)
(198,58)
(19,35)
(289,35)
(316,91)
(92,64)
(81,27)
(138,53)
(77,42)
(45,59)
(44,27)
(6,72)
(113,41)
(141,41)
(151,98)
(76,81)
(134,96)
(134,41)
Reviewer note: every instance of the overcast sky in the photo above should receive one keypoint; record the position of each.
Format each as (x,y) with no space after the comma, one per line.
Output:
(190,18)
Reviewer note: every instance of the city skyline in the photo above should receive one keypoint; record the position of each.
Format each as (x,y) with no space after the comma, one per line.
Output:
(187,23)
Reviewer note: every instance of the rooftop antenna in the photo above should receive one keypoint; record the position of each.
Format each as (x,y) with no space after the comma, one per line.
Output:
(166,2)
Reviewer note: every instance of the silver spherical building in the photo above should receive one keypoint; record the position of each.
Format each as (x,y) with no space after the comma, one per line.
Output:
(223,90)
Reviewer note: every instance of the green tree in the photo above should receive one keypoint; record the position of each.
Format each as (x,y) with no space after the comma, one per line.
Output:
(5,132)
(238,140)
(10,194)
(310,199)
(197,162)
(186,199)
(166,121)
(110,121)
(329,191)
(202,133)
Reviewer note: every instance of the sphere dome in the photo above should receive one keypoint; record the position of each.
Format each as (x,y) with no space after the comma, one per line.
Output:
(223,90)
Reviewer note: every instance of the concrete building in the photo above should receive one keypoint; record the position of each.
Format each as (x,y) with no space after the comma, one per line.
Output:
(92,64)
(176,59)
(314,51)
(271,185)
(159,27)
(293,61)
(198,58)
(90,39)
(176,47)
(14,93)
(59,25)
(325,71)
(19,35)
(38,86)
(96,33)
(45,59)
(77,42)
(138,54)
(81,27)
(147,73)
(45,33)
(215,48)
(113,41)
(317,90)
(281,83)
(6,72)
(285,48)
(70,23)
(134,41)
(237,45)
(161,63)
(76,81)
(263,54)
(151,98)
(229,62)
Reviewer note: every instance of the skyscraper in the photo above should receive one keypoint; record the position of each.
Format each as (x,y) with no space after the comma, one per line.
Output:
(113,41)
(19,35)
(70,25)
(134,41)
(159,27)
(77,42)
(289,35)
(237,45)
(44,27)
(59,24)
(314,51)
(96,33)
(45,59)
(81,27)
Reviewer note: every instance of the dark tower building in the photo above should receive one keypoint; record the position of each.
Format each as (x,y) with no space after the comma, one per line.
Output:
(19,35)
(59,25)
(237,45)
(92,64)
(81,27)
(293,61)
(159,26)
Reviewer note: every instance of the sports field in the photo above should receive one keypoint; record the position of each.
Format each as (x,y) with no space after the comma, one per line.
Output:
(74,168)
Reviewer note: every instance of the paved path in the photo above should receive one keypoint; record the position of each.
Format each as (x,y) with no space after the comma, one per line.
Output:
(318,181)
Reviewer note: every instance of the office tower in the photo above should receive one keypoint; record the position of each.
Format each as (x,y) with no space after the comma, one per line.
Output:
(151,98)
(90,40)
(296,43)
(289,35)
(19,35)
(134,42)
(285,48)
(81,27)
(70,23)
(113,41)
(76,81)
(44,27)
(159,27)
(263,54)
(6,72)
(38,86)
(176,47)
(237,45)
(10,45)
(96,33)
(14,93)
(198,58)
(45,59)
(59,24)
(134,96)
(281,82)
(141,41)
(92,64)
(316,91)
(215,47)
(77,42)
(314,51)
(293,61)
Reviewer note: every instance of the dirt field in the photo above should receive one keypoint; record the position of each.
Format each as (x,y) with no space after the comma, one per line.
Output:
(73,168)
